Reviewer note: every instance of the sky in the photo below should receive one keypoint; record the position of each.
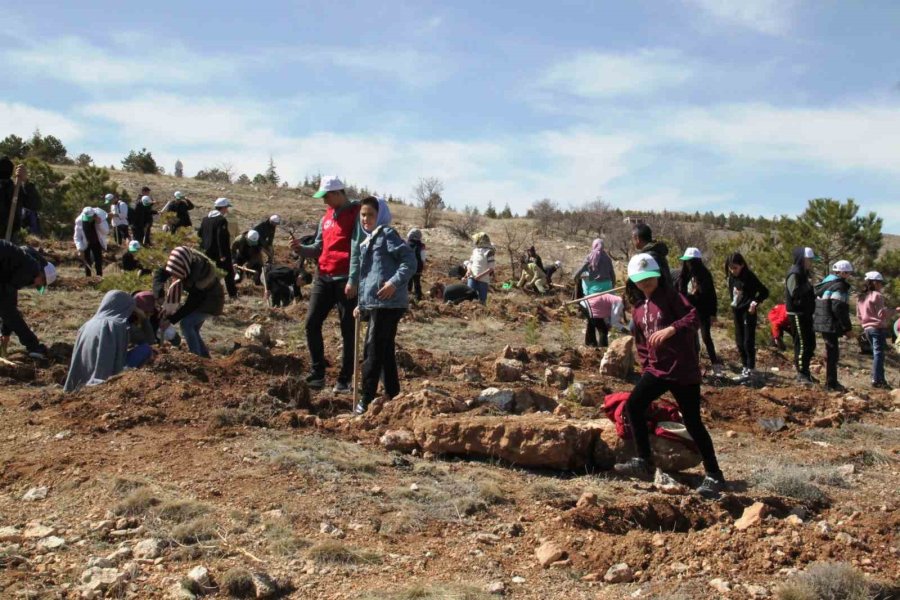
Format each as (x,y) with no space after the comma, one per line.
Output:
(751,106)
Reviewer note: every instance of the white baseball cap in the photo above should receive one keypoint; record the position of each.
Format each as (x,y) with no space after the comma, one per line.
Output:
(641,267)
(691,253)
(222,203)
(842,266)
(109,198)
(874,276)
(558,263)
(179,195)
(329,184)
(808,253)
(49,273)
(253,237)
(146,200)
(275,220)
(134,246)
(87,213)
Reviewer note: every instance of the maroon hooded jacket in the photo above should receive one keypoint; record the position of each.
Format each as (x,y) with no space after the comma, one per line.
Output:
(676,359)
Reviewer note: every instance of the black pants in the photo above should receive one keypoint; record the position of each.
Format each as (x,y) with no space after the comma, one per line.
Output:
(706,336)
(595,326)
(648,389)
(324,296)
(416,282)
(121,233)
(93,254)
(230,285)
(832,355)
(142,234)
(804,342)
(12,321)
(745,337)
(380,360)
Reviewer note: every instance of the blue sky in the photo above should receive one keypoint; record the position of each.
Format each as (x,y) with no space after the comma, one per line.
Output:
(751,106)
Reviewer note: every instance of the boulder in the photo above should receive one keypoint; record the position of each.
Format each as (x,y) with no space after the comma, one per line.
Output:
(264,586)
(669,455)
(97,581)
(508,369)
(534,441)
(618,361)
(559,377)
(258,334)
(619,573)
(149,548)
(466,373)
(752,515)
(530,401)
(504,400)
(399,440)
(35,493)
(519,354)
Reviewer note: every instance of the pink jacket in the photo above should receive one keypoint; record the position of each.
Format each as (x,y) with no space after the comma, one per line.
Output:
(871,312)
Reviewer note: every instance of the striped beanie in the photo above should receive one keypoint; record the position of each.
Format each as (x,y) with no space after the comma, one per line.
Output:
(178,266)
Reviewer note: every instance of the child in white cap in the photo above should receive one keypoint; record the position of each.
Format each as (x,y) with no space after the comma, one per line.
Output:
(875,320)
(832,318)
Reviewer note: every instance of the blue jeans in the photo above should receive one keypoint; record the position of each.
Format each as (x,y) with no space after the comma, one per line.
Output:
(479,286)
(138,356)
(190,331)
(877,339)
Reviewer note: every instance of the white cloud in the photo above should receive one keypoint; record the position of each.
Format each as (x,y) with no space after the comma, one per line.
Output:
(22,120)
(598,75)
(771,17)
(840,139)
(77,61)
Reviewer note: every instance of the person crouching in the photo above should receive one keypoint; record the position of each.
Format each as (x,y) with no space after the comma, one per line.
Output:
(386,263)
(665,331)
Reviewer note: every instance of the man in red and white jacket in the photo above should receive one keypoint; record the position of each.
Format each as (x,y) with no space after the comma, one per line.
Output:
(332,287)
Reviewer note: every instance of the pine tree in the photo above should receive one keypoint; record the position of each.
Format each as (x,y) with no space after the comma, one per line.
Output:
(506,213)
(13,147)
(490,212)
(140,162)
(271,176)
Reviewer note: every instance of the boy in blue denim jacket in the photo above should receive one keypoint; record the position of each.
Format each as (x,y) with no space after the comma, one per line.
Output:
(381,264)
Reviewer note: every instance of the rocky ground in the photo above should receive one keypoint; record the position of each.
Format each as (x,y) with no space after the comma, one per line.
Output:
(488,477)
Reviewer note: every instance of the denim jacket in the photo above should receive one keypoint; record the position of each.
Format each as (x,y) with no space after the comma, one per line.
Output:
(383,257)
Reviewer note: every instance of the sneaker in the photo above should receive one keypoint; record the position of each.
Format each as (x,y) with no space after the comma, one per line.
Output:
(803,379)
(637,468)
(835,387)
(315,381)
(712,486)
(362,406)
(744,376)
(341,387)
(717,370)
(39,353)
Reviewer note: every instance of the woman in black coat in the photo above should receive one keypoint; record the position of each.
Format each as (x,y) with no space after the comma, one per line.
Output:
(696,283)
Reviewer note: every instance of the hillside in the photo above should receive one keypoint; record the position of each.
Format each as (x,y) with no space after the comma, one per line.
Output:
(233,465)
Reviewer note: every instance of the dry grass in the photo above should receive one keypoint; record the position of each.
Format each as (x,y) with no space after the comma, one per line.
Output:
(138,502)
(323,458)
(549,491)
(194,531)
(282,540)
(180,511)
(798,482)
(237,582)
(430,592)
(336,553)
(826,581)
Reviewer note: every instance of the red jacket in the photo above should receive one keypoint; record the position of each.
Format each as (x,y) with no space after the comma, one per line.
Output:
(337,234)
(778,319)
(676,359)
(660,410)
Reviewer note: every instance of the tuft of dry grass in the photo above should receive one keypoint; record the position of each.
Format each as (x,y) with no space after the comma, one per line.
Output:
(335,553)
(136,503)
(194,531)
(798,482)
(237,582)
(430,592)
(826,581)
(282,540)
(180,511)
(324,458)
(549,491)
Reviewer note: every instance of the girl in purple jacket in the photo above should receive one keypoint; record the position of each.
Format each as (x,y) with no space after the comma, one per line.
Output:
(665,332)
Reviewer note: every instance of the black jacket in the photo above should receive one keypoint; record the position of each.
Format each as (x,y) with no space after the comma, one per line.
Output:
(416,245)
(704,297)
(799,295)
(832,307)
(747,288)
(215,241)
(242,252)
(266,231)
(18,269)
(659,251)
(182,209)
(459,292)
(141,216)
(28,198)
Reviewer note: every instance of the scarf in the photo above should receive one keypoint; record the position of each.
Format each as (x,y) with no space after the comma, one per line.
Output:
(179,267)
(596,255)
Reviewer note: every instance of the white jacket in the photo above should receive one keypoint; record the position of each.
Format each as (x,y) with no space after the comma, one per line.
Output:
(81,242)
(482,259)
(119,213)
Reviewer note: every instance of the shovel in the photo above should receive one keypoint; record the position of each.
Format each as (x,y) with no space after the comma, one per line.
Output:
(598,294)
(357,328)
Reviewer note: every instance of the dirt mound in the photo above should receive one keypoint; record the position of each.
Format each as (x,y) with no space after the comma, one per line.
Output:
(741,408)
(656,513)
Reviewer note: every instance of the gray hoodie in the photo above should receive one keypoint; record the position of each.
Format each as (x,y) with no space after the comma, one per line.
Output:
(102,343)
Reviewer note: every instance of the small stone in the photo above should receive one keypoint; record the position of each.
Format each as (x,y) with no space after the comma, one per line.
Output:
(487,538)
(730,434)
(63,435)
(100,561)
(562,411)
(497,588)
(658,540)
(399,440)
(36,493)
(37,531)
(793,520)
(264,586)
(549,552)
(200,576)
(619,573)
(518,579)
(753,514)
(52,543)
(10,534)
(258,334)
(587,499)
(591,577)
(414,487)
(846,470)
(844,538)
(823,528)
(756,591)
(559,377)
(149,548)
(720,585)
(123,553)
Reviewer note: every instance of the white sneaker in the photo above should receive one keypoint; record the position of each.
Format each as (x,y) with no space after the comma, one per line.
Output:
(743,376)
